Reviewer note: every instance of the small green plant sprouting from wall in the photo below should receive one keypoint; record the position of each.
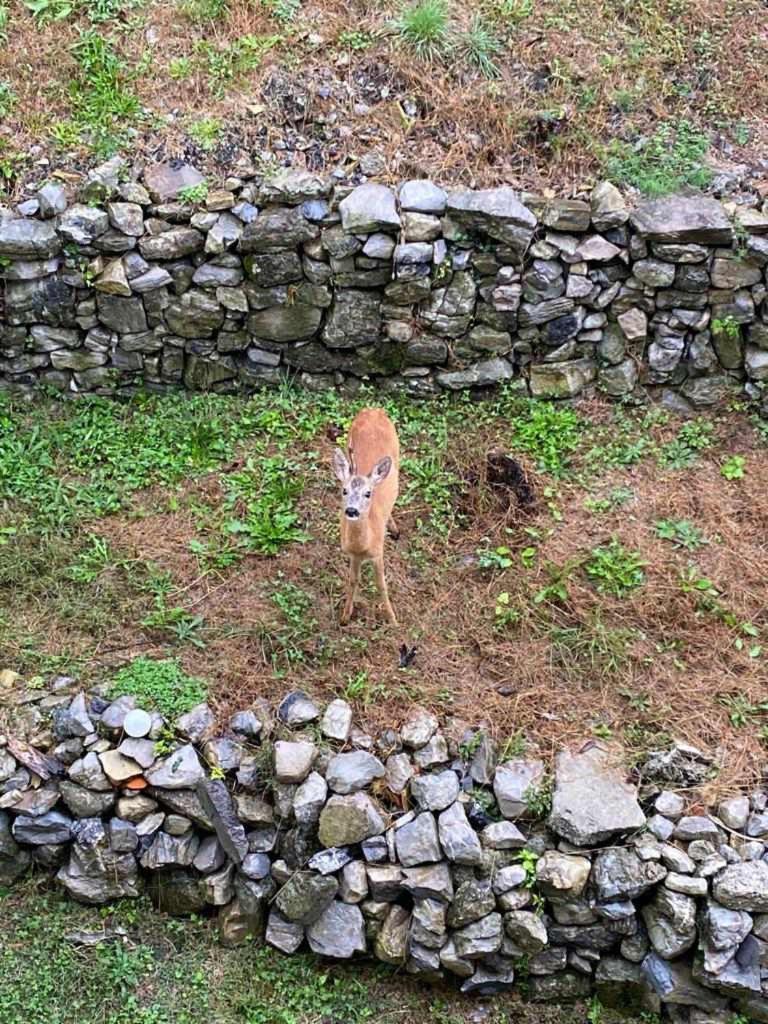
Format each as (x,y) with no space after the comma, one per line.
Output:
(195,195)
(161,685)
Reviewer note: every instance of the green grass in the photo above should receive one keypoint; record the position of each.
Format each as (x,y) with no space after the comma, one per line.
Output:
(424,27)
(479,45)
(7,95)
(160,685)
(548,432)
(668,160)
(615,570)
(682,533)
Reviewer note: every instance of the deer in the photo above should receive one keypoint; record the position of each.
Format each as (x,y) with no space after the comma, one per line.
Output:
(369,487)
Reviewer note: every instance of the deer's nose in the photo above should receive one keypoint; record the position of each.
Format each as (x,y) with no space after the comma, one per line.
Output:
(351,513)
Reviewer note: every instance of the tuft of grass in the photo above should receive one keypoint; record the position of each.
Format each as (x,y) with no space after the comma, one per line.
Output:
(206,133)
(680,532)
(663,163)
(615,570)
(285,11)
(479,45)
(682,451)
(160,685)
(424,27)
(548,432)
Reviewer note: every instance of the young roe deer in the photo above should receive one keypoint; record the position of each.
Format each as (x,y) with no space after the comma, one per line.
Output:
(369,486)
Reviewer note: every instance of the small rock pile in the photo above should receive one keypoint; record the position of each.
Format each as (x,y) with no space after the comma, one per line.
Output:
(416,847)
(164,282)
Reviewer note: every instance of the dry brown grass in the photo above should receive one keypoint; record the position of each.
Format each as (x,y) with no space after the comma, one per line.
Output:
(571,79)
(679,661)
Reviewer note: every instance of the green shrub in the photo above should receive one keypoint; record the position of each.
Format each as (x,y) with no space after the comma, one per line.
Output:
(671,158)
(614,570)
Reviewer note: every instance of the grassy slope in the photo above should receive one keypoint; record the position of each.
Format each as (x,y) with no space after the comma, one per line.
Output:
(166,971)
(204,529)
(535,92)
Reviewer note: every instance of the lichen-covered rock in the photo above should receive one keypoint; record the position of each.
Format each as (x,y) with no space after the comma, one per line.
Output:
(349,819)
(305,896)
(743,886)
(347,773)
(339,932)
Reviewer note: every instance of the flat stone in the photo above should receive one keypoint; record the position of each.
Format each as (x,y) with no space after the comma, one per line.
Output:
(220,808)
(686,884)
(696,827)
(369,208)
(596,249)
(591,801)
(422,196)
(276,229)
(119,768)
(328,862)
(434,882)
(170,851)
(293,760)
(562,875)
(339,932)
(564,379)
(197,724)
(28,239)
(496,212)
(483,374)
(53,827)
(99,876)
(310,799)
(683,219)
(480,939)
(673,983)
(385,881)
(502,835)
(85,803)
(347,773)
(82,224)
(283,934)
(180,770)
(671,805)
(297,709)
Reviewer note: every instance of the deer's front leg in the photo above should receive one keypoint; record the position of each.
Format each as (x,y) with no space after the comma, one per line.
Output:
(381,583)
(353,580)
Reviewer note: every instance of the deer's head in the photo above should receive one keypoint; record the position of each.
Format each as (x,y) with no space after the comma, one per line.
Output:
(357,491)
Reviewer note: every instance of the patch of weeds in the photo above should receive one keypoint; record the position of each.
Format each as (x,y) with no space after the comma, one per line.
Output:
(197,194)
(682,451)
(594,1010)
(179,624)
(46,11)
(91,560)
(162,685)
(424,27)
(430,481)
(508,13)
(224,63)
(671,158)
(733,467)
(180,68)
(296,606)
(215,554)
(361,688)
(479,46)
(728,327)
(615,498)
(549,433)
(555,591)
(205,10)
(3,21)
(538,798)
(680,532)
(267,493)
(7,96)
(742,712)
(355,39)
(590,648)
(282,10)
(206,132)
(504,614)
(615,570)
(514,746)
(103,105)
(495,559)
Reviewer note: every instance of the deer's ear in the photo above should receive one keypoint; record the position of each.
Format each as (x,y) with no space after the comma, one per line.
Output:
(340,465)
(381,470)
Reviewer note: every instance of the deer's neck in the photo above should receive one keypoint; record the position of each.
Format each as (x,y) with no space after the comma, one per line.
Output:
(356,536)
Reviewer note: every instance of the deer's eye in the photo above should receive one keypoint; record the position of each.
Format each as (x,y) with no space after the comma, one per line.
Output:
(367,494)
(345,492)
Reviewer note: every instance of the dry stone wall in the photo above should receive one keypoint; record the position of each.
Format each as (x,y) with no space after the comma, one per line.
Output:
(162,282)
(415,847)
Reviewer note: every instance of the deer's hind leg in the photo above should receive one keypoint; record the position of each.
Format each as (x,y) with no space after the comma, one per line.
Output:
(392,527)
(353,581)
(381,584)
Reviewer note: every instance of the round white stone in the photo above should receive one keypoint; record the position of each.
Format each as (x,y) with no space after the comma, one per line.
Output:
(137,723)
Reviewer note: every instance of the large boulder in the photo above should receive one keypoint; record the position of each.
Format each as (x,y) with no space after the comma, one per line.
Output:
(28,239)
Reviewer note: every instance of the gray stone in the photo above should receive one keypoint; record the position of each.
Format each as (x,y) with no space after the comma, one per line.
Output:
(457,838)
(671,805)
(502,835)
(674,983)
(337,721)
(140,751)
(482,374)
(434,883)
(164,181)
(28,239)
(328,862)
(384,881)
(455,964)
(53,827)
(121,314)
(339,932)
(309,800)
(220,808)
(608,207)
(670,918)
(682,220)
(354,319)
(722,932)
(515,781)
(369,208)
(293,760)
(561,379)
(305,896)
(297,709)
(526,930)
(82,224)
(210,855)
(419,729)
(391,942)
(619,873)
(85,803)
(433,753)
(127,218)
(292,186)
(422,196)
(743,886)
(97,876)
(283,934)
(479,939)
(591,800)
(180,770)
(561,875)
(686,884)
(52,199)
(696,827)
(428,927)
(171,245)
(347,773)
(496,212)
(353,884)
(117,767)
(346,820)
(170,851)
(417,842)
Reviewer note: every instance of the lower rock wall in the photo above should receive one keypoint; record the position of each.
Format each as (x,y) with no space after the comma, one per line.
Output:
(415,847)
(166,282)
